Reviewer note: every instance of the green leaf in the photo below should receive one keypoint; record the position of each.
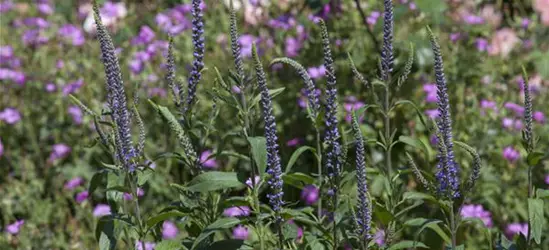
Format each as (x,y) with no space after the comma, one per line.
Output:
(96,180)
(405,244)
(151,222)
(213,181)
(273,93)
(428,223)
(219,224)
(169,245)
(298,180)
(295,156)
(104,232)
(416,143)
(411,195)
(535,215)
(259,152)
(119,189)
(289,230)
(534,158)
(542,193)
(144,175)
(418,111)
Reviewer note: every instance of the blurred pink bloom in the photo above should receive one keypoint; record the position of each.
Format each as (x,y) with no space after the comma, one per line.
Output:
(73,183)
(431,91)
(72,87)
(491,15)
(129,196)
(310,194)
(547,179)
(481,44)
(148,245)
(517,109)
(539,117)
(293,142)
(257,179)
(317,72)
(236,89)
(110,14)
(292,47)
(50,87)
(10,116)
(1,148)
(516,228)
(477,211)
(15,227)
(45,8)
(507,122)
(145,36)
(372,18)
(240,233)
(76,114)
(169,230)
(206,161)
(432,113)
(253,15)
(503,42)
(511,154)
(237,211)
(454,37)
(59,151)
(473,19)
(379,237)
(82,196)
(73,34)
(101,210)
(486,104)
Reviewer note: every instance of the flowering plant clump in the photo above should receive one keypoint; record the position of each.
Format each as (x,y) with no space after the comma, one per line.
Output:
(274,124)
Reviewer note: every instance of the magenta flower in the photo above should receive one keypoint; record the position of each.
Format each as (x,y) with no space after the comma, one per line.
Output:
(136,66)
(148,245)
(101,210)
(72,34)
(74,183)
(293,142)
(160,92)
(352,104)
(76,114)
(246,41)
(511,154)
(50,87)
(1,148)
(73,87)
(477,211)
(59,151)
(516,228)
(240,233)
(237,211)
(6,6)
(547,179)
(486,104)
(432,113)
(257,179)
(292,47)
(15,227)
(60,64)
(169,230)
(539,117)
(372,18)
(525,23)
(379,237)
(12,75)
(299,235)
(517,109)
(317,72)
(145,36)
(454,37)
(128,196)
(235,89)
(310,194)
(207,161)
(45,8)
(10,116)
(473,19)
(481,44)
(431,91)
(82,196)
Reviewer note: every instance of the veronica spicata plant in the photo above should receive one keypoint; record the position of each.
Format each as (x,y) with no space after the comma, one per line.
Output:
(450,192)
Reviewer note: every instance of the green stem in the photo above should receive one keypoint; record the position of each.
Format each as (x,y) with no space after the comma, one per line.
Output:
(530,195)
(387,126)
(133,189)
(319,165)
(453,227)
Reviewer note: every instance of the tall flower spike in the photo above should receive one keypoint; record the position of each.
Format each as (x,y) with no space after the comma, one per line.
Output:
(235,45)
(312,97)
(198,64)
(364,216)
(477,163)
(170,73)
(273,158)
(448,173)
(426,184)
(527,134)
(387,57)
(333,161)
(116,96)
